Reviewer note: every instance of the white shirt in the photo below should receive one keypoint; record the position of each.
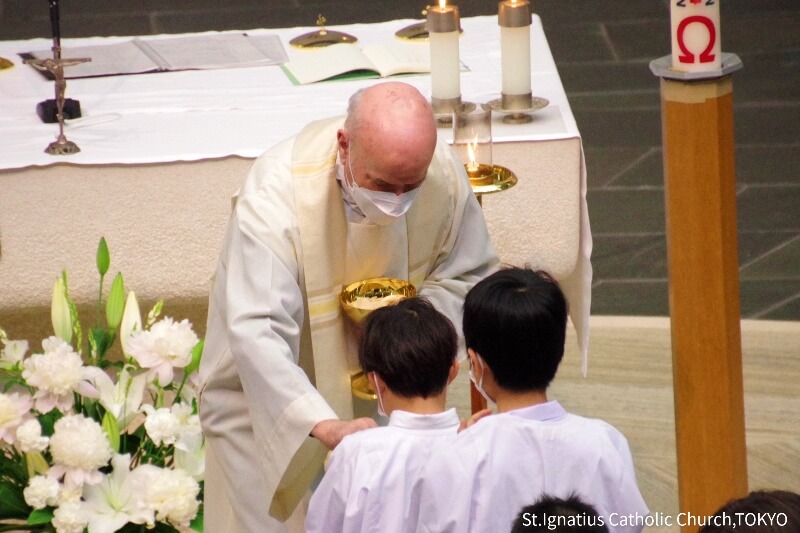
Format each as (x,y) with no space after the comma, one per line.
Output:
(507,461)
(368,482)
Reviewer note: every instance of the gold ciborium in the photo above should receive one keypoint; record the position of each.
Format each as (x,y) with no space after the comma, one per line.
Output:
(358,300)
(321,37)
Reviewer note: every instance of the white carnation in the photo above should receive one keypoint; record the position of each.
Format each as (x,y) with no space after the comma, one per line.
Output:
(13,352)
(172,494)
(69,518)
(29,437)
(80,446)
(166,345)
(57,374)
(162,425)
(41,492)
(14,407)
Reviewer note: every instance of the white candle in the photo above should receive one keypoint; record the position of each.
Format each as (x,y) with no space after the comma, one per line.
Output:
(696,43)
(514,17)
(443,26)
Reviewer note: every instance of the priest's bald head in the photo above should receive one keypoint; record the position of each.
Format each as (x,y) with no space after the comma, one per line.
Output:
(388,139)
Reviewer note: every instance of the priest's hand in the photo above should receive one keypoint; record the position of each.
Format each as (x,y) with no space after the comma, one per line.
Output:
(331,432)
(473,419)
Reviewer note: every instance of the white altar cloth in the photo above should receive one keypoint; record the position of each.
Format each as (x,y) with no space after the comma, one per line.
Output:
(152,125)
(156,109)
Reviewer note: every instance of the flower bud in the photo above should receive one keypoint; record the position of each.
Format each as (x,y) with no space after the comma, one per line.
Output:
(59,311)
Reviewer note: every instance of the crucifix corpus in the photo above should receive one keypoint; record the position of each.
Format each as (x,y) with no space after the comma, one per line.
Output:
(55,66)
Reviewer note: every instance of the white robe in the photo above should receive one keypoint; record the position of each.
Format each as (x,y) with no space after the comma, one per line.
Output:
(492,470)
(367,485)
(258,394)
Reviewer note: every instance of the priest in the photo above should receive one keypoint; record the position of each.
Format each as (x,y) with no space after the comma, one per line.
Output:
(375,193)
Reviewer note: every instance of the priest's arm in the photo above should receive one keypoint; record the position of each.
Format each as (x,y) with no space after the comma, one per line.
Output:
(467,255)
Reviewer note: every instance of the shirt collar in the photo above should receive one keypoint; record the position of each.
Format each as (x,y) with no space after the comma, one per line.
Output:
(443,420)
(551,410)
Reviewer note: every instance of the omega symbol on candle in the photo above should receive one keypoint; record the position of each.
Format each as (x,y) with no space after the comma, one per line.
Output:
(706,56)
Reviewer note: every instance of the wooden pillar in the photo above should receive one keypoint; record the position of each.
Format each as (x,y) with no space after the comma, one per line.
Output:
(697,122)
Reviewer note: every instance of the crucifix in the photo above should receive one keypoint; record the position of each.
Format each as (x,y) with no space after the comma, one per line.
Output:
(55,66)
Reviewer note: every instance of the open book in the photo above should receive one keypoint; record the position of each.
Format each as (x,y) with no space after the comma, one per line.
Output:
(205,51)
(378,60)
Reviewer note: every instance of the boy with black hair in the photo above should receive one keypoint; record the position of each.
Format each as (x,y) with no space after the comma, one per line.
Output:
(408,351)
(514,327)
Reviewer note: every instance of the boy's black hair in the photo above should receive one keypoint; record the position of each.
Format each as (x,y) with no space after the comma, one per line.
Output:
(411,346)
(782,504)
(516,320)
(550,514)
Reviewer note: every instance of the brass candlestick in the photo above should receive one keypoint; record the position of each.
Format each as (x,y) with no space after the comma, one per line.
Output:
(321,37)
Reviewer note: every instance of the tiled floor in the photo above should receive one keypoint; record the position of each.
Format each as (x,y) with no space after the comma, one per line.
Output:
(602,49)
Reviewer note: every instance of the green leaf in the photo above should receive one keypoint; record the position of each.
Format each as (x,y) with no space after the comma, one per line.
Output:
(197,354)
(48,421)
(14,505)
(103,257)
(197,523)
(40,516)
(115,304)
(111,428)
(100,341)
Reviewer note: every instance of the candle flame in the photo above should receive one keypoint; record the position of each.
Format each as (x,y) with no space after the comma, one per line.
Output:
(473,164)
(442,4)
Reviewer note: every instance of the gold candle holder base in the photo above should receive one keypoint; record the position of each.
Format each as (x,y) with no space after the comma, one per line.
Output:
(521,115)
(322,37)
(487,179)
(5,63)
(361,387)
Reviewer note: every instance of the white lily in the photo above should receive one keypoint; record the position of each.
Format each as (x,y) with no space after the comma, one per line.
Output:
(123,398)
(131,321)
(59,312)
(190,452)
(113,502)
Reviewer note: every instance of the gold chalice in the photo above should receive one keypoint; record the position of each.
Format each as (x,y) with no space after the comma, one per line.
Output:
(358,300)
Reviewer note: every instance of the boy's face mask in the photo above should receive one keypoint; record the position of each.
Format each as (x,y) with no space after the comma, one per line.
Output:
(479,384)
(381,410)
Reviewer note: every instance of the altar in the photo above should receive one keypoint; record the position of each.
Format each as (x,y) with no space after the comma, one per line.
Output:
(162,154)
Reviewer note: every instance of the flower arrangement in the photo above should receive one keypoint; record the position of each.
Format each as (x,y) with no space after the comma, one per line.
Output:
(93,441)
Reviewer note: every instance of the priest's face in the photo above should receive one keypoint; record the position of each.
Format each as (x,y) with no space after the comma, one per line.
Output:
(396,169)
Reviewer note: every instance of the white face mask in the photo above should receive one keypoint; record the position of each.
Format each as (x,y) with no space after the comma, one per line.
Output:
(381,410)
(379,207)
(479,385)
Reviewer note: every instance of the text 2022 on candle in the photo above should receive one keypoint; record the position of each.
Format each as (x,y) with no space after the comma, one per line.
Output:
(696,43)
(514,18)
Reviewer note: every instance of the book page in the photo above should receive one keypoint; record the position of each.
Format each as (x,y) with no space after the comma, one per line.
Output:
(320,64)
(216,51)
(119,58)
(399,58)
